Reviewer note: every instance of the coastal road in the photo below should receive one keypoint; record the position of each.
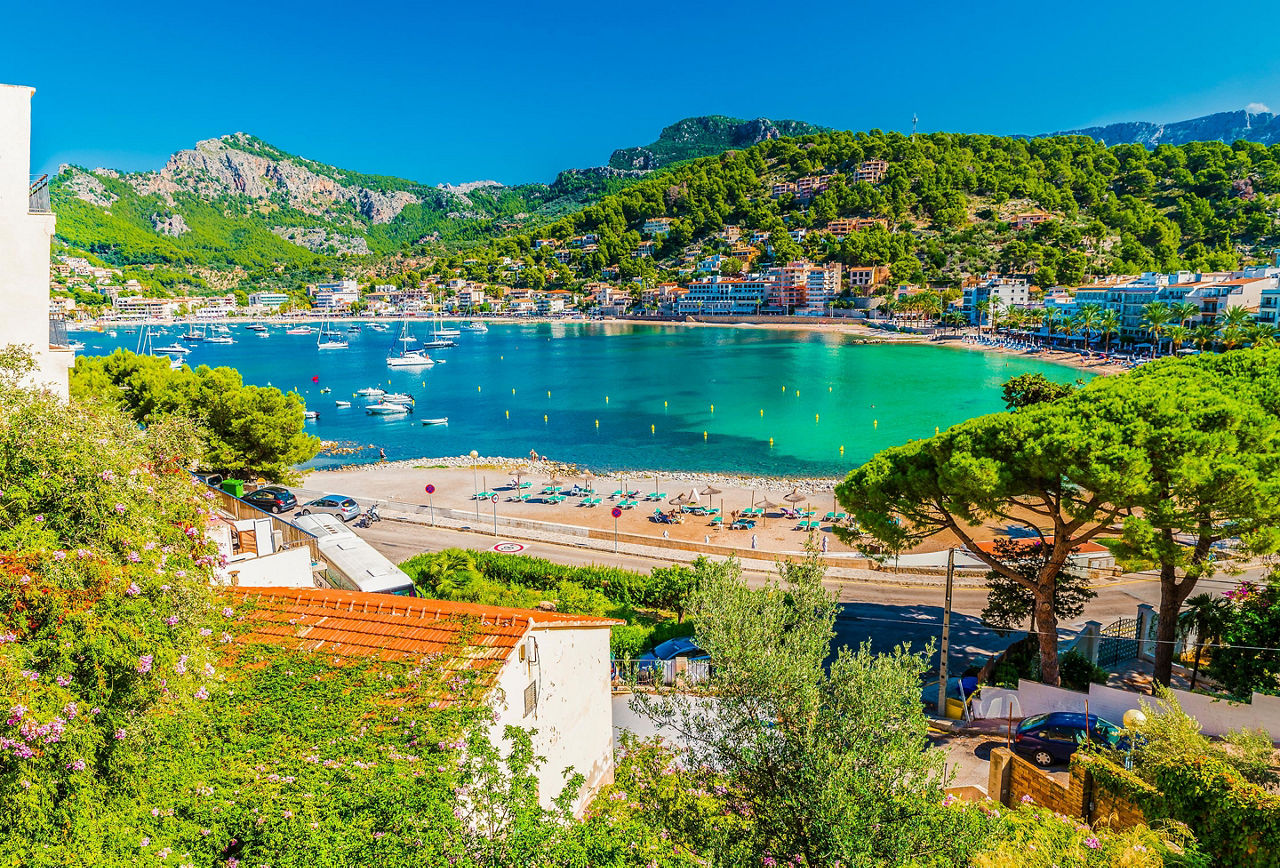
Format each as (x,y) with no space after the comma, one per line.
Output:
(877,608)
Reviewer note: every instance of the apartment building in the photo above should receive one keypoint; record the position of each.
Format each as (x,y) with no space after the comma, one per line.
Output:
(657,225)
(871,171)
(802,287)
(865,276)
(1002,292)
(26,227)
(718,295)
(267,299)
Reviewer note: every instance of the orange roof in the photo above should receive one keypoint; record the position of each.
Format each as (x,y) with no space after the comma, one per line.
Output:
(1089,547)
(390,627)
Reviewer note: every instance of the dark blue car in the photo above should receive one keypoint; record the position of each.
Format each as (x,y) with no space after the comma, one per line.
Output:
(1048,739)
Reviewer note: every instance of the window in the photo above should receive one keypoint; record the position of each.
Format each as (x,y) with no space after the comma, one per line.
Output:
(530,698)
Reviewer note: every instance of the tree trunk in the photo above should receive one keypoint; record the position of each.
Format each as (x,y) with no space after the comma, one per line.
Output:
(1171,597)
(1047,627)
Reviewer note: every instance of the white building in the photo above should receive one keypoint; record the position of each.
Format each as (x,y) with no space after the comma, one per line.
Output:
(331,296)
(267,299)
(1003,293)
(26,225)
(544,671)
(725,295)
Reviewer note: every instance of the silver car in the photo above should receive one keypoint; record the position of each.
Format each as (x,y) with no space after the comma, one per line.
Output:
(338,505)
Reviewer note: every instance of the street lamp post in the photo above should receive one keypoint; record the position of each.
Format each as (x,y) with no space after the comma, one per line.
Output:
(474,490)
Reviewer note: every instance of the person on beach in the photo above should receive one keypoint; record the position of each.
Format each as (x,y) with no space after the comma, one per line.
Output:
(382,455)
(753,540)
(824,545)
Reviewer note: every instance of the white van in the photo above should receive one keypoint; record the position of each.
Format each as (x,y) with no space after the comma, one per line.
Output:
(353,564)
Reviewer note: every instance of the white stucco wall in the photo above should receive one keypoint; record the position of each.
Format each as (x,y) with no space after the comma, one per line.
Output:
(1216,716)
(290,568)
(24,246)
(573,717)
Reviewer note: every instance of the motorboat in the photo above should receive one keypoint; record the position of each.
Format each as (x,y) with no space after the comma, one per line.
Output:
(173,348)
(439,344)
(378,327)
(342,403)
(220,339)
(353,329)
(388,409)
(256,327)
(397,398)
(263,334)
(371,392)
(310,414)
(300,330)
(76,345)
(443,420)
(476,327)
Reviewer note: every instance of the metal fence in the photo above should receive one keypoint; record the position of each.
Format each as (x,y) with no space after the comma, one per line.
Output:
(38,198)
(1118,641)
(664,673)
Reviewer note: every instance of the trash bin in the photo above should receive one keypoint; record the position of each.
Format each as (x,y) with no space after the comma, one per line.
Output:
(955,708)
(234,487)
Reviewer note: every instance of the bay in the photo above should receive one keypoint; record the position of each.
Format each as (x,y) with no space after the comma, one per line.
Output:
(624,395)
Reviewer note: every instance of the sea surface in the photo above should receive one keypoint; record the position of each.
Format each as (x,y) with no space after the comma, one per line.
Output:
(614,396)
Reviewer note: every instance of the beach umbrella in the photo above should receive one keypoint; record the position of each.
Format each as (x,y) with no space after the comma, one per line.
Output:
(679,500)
(765,504)
(518,472)
(710,490)
(795,496)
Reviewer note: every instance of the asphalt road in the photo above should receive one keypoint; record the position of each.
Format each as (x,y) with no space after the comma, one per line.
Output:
(880,610)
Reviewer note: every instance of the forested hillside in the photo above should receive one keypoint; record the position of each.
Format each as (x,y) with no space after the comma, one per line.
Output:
(947,205)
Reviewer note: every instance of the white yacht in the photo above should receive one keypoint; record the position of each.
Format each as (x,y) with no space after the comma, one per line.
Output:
(403,357)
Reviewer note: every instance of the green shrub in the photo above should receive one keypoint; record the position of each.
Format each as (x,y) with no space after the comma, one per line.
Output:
(1077,672)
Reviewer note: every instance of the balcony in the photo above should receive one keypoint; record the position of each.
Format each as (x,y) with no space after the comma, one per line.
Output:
(38,199)
(58,334)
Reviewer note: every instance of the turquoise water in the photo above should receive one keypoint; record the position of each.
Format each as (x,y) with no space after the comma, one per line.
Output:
(631,395)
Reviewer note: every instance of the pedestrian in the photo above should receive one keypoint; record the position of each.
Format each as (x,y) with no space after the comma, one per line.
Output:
(753,540)
(706,539)
(382,455)
(824,545)
(666,534)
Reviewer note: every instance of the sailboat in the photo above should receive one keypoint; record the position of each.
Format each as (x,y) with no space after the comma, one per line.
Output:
(192,334)
(403,357)
(145,347)
(442,331)
(327,340)
(221,335)
(475,327)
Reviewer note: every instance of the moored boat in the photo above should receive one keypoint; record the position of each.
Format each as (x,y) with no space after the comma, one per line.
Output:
(386,409)
(443,420)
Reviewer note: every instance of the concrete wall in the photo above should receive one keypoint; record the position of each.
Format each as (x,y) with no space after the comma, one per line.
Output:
(572,714)
(24,246)
(1216,716)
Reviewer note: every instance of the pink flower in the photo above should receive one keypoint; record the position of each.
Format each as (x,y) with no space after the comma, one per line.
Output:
(120,508)
(63,680)
(132,591)
(144,664)
(202,693)
(1092,843)
(134,557)
(120,733)
(1027,800)
(228,612)
(171,621)
(205,631)
(181,666)
(77,766)
(145,842)
(59,556)
(39,518)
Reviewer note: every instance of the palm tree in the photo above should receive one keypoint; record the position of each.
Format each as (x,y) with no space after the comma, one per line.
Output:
(1206,616)
(1204,334)
(1157,316)
(448,573)
(1052,317)
(1035,316)
(1088,317)
(1262,334)
(1108,325)
(1232,323)
(1183,312)
(1178,335)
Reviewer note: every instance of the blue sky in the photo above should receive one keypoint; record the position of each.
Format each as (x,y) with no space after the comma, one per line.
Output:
(460,91)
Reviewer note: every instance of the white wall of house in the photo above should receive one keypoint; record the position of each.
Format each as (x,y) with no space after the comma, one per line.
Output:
(24,246)
(290,568)
(572,713)
(1216,716)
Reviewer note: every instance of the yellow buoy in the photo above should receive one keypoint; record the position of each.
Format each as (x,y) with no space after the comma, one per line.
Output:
(815,418)
(828,388)
(513,391)
(841,450)
(477,388)
(597,423)
(784,388)
(548,393)
(704,435)
(797,393)
(664,405)
(875,423)
(544,417)
(652,429)
(500,358)
(508,414)
(606,399)
(770,442)
(713,408)
(935,430)
(761,412)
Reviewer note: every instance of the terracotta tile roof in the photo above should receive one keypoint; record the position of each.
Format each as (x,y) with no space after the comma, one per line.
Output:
(390,627)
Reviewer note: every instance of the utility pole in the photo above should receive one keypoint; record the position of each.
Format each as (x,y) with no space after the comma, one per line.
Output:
(946,637)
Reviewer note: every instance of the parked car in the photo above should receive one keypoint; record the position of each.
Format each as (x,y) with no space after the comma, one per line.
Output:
(338,505)
(681,646)
(272,498)
(213,479)
(1051,738)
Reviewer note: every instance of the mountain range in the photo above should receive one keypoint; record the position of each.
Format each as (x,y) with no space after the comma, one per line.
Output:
(1262,127)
